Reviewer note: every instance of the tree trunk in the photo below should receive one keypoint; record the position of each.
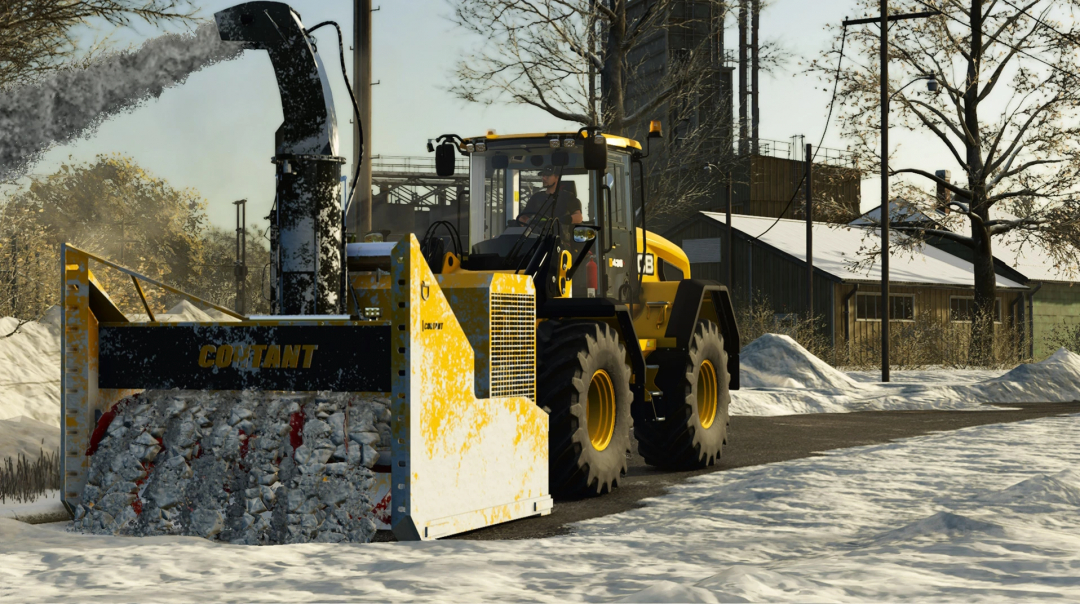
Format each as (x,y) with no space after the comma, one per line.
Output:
(982,324)
(614,73)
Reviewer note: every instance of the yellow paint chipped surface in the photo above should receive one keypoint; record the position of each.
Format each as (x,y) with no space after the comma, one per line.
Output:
(482,460)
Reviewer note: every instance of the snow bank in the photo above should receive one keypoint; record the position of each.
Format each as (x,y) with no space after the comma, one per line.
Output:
(26,436)
(185,312)
(46,508)
(778,361)
(30,369)
(30,362)
(243,467)
(780,377)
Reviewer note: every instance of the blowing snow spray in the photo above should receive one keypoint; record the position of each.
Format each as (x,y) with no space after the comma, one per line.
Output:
(72,102)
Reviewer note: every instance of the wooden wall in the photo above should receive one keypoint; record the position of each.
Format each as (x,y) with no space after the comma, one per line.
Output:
(769,185)
(932,304)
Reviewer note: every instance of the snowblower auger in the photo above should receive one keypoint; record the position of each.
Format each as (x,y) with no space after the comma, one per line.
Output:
(457,462)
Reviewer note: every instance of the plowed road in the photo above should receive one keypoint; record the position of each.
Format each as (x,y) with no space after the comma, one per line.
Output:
(761,440)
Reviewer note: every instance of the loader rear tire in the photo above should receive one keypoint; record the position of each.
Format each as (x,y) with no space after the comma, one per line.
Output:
(583,381)
(696,399)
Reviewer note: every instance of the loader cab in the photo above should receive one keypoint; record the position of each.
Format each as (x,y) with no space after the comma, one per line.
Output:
(505,181)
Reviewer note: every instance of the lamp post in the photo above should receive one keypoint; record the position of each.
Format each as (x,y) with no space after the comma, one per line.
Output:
(883,22)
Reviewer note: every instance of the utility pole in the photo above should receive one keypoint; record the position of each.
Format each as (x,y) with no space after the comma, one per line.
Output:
(730,238)
(755,68)
(594,118)
(886,215)
(240,269)
(361,202)
(744,123)
(809,232)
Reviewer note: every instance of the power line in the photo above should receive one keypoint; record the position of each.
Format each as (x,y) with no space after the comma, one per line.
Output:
(1060,33)
(1007,45)
(821,141)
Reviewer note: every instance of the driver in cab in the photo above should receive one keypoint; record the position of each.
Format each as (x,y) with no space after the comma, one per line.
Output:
(567,206)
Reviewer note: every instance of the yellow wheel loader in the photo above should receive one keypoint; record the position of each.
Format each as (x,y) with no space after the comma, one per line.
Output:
(460,376)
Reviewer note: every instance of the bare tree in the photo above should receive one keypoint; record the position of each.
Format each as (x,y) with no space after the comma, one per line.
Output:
(1009,73)
(37,36)
(548,53)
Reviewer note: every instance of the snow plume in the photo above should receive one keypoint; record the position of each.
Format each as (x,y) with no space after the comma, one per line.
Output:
(69,103)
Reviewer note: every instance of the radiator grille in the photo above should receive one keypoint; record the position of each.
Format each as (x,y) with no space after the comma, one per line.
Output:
(513,345)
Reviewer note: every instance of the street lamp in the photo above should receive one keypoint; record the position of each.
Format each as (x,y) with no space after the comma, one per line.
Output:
(883,21)
(931,84)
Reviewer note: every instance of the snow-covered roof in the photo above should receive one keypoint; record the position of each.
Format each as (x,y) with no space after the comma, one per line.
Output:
(901,211)
(1029,259)
(1032,261)
(836,249)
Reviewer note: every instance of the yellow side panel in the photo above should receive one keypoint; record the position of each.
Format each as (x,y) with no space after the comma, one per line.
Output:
(459,462)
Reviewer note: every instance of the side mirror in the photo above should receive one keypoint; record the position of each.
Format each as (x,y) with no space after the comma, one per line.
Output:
(584,233)
(595,151)
(445,159)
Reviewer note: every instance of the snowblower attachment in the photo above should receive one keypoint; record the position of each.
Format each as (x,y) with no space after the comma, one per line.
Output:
(456,461)
(416,411)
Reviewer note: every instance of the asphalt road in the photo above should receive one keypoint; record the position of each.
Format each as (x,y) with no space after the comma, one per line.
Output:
(761,440)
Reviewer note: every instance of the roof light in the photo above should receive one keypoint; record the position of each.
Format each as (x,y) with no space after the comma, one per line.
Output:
(554,143)
(568,142)
(481,146)
(654,129)
(491,132)
(470,147)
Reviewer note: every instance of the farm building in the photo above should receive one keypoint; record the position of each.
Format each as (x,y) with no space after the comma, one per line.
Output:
(928,286)
(1053,300)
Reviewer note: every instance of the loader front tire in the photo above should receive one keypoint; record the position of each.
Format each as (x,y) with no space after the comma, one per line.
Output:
(583,381)
(696,399)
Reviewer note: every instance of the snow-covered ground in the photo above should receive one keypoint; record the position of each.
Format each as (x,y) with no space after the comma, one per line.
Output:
(46,508)
(29,437)
(980,514)
(30,369)
(780,377)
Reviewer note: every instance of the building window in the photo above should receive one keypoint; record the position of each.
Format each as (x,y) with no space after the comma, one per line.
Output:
(901,307)
(962,309)
(701,251)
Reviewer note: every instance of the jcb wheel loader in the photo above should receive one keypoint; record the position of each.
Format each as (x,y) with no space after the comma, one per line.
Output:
(509,349)
(628,345)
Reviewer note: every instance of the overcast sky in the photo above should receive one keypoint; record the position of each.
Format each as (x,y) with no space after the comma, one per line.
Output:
(215,133)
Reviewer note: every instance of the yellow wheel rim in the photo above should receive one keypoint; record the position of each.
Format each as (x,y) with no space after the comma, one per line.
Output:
(600,412)
(706,394)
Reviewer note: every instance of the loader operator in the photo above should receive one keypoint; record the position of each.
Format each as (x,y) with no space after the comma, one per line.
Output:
(567,206)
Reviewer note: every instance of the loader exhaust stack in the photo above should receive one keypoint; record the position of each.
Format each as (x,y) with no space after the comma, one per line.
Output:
(306,221)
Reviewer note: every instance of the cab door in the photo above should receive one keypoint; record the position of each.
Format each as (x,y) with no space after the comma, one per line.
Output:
(615,207)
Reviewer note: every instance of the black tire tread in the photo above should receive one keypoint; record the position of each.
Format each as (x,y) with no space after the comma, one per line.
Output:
(564,350)
(675,443)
